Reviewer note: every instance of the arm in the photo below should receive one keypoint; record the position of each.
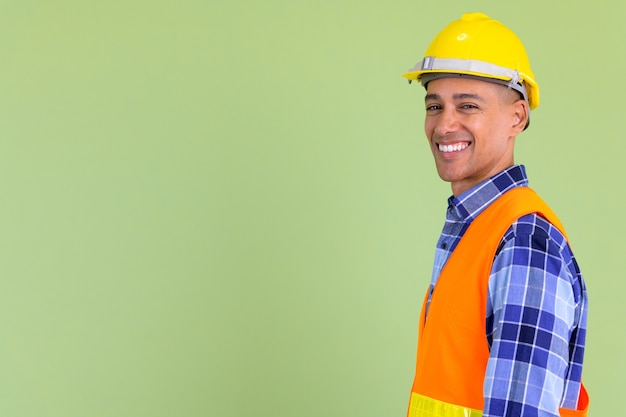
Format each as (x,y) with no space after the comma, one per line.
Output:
(531,312)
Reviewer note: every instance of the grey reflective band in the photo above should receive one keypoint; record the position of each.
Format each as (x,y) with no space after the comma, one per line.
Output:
(454,65)
(430,63)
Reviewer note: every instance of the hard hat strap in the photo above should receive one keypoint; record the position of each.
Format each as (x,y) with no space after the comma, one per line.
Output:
(481,69)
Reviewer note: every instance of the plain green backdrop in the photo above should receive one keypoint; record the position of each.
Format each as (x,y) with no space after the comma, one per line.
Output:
(228,208)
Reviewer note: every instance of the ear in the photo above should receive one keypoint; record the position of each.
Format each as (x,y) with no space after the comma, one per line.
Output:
(520,116)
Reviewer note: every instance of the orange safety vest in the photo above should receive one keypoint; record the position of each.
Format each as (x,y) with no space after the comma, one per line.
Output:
(452,349)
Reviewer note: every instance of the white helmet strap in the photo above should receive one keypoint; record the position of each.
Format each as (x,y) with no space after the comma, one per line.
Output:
(448,67)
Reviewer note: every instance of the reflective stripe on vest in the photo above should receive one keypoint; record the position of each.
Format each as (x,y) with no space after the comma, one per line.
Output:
(452,345)
(421,406)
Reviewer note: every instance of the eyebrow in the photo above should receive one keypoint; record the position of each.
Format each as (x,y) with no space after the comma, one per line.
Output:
(458,96)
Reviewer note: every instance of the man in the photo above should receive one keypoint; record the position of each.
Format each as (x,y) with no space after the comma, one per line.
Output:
(502,328)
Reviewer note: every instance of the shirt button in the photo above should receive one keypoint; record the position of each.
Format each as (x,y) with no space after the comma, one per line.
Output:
(444,245)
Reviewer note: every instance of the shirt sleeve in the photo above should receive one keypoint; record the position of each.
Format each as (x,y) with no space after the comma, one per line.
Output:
(530,314)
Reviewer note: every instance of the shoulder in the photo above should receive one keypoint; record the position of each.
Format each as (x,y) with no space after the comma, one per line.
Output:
(536,232)
(533,242)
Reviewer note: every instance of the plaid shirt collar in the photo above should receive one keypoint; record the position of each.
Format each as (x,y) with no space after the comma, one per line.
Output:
(472,202)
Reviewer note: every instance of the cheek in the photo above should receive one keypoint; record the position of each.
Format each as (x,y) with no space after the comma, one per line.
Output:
(429,127)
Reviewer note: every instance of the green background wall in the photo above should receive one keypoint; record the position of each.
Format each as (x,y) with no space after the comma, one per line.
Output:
(228,208)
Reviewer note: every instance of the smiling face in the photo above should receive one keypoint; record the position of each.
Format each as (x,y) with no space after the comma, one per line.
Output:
(471,126)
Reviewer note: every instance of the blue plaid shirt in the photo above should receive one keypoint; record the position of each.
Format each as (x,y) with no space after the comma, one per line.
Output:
(536,308)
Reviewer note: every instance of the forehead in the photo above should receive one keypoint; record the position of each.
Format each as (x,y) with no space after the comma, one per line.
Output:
(455,87)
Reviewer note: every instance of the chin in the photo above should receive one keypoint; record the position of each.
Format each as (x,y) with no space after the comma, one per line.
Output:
(448,176)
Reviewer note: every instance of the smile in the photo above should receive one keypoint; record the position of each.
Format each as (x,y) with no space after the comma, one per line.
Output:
(456,147)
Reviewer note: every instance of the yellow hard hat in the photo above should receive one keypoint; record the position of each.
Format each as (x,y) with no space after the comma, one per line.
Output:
(477,45)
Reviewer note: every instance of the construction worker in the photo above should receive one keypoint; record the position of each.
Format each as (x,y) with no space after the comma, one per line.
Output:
(503,323)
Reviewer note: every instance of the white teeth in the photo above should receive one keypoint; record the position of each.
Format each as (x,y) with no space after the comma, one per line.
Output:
(453,148)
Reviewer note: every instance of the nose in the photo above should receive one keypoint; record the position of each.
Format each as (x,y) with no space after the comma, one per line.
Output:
(446,122)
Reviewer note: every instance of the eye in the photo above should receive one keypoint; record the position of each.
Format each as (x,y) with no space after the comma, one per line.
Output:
(433,107)
(468,106)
